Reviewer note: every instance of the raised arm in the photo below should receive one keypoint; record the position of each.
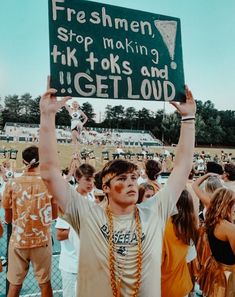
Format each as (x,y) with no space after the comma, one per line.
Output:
(48,156)
(184,154)
(204,198)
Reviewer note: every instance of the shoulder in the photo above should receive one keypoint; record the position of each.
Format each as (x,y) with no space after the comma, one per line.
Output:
(225,229)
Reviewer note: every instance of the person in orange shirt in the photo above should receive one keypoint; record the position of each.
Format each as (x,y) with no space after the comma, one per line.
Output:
(180,232)
(30,208)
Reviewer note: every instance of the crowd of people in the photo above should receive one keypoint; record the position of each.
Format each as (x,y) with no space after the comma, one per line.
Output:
(159,226)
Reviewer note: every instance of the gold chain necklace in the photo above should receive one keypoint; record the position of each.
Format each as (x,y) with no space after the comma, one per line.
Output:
(116,284)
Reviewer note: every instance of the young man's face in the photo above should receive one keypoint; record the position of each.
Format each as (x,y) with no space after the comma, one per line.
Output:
(85,185)
(123,189)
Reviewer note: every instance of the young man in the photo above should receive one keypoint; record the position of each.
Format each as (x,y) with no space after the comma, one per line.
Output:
(121,244)
(30,208)
(84,175)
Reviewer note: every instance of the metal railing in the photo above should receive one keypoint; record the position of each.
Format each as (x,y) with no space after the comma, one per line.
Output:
(30,286)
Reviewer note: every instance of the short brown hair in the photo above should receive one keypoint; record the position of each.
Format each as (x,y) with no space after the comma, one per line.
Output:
(84,170)
(153,169)
(117,167)
(229,169)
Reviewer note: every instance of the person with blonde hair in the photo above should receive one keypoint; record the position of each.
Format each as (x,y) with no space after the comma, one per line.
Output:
(78,120)
(217,278)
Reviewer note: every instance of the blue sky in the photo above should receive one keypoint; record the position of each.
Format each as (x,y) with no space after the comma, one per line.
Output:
(208,38)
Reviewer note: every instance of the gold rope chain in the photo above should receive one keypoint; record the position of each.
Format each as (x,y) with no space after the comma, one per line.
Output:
(116,285)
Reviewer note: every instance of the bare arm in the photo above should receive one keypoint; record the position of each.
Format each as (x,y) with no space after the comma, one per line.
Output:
(204,198)
(48,155)
(62,234)
(184,154)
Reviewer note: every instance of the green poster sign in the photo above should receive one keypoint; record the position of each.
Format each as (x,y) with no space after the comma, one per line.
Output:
(105,51)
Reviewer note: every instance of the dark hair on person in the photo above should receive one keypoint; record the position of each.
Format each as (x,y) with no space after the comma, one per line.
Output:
(98,180)
(117,167)
(84,170)
(152,169)
(30,156)
(214,167)
(142,189)
(220,208)
(229,169)
(185,221)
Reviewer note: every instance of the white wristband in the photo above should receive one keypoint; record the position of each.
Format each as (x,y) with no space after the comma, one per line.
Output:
(192,117)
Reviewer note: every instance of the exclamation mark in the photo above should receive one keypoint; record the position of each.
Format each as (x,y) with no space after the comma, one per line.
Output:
(62,80)
(68,80)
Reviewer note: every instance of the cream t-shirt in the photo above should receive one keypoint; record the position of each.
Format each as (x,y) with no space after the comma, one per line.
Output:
(89,221)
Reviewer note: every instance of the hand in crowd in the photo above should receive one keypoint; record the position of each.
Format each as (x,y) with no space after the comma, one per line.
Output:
(187,108)
(49,104)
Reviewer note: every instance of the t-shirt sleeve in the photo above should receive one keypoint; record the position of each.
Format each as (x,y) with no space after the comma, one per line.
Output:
(164,203)
(77,206)
(61,224)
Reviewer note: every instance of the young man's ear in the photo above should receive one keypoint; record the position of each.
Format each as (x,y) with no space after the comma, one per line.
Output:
(105,188)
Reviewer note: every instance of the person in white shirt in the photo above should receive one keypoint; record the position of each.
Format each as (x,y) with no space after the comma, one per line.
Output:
(120,244)
(69,256)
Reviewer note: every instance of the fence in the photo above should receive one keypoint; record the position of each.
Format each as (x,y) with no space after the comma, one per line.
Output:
(30,286)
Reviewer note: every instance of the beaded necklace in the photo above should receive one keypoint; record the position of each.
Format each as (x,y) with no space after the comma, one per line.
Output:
(116,284)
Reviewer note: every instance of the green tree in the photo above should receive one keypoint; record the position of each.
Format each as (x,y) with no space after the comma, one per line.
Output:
(89,112)
(171,127)
(34,110)
(24,106)
(11,112)
(200,133)
(144,116)
(130,117)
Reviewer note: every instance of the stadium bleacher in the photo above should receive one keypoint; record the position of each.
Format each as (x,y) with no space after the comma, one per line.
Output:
(29,132)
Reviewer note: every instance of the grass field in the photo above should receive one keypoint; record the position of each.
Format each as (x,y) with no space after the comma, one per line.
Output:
(66,150)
